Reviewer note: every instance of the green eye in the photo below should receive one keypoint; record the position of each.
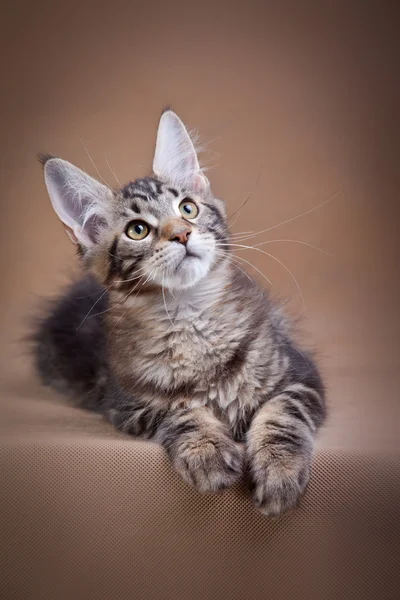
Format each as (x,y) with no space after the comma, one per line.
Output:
(188,209)
(137,230)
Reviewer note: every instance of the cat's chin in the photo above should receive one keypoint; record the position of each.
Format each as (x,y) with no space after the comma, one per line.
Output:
(187,274)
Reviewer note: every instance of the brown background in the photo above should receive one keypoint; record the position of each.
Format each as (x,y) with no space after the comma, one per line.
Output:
(303,96)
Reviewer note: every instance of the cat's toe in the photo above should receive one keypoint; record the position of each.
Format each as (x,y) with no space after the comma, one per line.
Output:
(277,489)
(211,466)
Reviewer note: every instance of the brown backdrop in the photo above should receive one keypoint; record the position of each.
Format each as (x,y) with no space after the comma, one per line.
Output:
(303,98)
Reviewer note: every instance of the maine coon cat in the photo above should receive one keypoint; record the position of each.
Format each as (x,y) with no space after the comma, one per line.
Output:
(171,340)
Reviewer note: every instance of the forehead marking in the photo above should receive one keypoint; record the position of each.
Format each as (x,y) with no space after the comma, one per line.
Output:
(144,188)
(135,207)
(139,195)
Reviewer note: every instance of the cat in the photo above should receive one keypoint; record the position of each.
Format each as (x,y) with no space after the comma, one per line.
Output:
(169,339)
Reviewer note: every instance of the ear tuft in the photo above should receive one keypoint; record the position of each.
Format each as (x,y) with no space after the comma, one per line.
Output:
(43,157)
(80,201)
(175,158)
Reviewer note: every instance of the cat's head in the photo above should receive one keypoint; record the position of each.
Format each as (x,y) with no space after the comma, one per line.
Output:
(167,230)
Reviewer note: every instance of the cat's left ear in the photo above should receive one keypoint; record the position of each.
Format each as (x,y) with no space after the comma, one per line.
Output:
(175,158)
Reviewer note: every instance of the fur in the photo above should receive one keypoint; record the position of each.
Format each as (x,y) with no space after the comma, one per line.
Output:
(170,340)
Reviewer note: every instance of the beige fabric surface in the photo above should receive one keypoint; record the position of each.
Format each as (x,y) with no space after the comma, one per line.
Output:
(88,513)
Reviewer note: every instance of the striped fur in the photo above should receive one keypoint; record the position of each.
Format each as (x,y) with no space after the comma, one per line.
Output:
(182,347)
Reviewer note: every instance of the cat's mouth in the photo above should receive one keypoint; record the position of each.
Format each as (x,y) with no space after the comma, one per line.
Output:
(185,265)
(189,254)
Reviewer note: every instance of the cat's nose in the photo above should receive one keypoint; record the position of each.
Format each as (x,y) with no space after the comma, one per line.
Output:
(176,230)
(180,236)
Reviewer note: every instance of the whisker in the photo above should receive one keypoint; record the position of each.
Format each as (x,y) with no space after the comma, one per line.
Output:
(151,276)
(133,278)
(281,263)
(129,280)
(129,294)
(87,296)
(98,300)
(87,316)
(112,171)
(92,161)
(238,215)
(126,297)
(235,258)
(239,233)
(295,242)
(272,241)
(103,311)
(244,272)
(249,196)
(121,301)
(165,305)
(254,267)
(307,212)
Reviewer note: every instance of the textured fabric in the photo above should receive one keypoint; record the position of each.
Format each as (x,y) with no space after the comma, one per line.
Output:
(88,513)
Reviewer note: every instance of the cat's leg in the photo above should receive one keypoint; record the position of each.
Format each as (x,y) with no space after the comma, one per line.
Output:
(201,449)
(131,414)
(280,443)
(197,443)
(136,419)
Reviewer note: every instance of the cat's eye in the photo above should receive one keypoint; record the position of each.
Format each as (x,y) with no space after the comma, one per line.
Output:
(137,230)
(188,209)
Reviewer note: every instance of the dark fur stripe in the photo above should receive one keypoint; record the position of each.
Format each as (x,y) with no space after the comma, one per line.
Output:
(292,410)
(183,428)
(290,441)
(175,427)
(218,235)
(242,424)
(309,401)
(127,276)
(145,188)
(214,209)
(137,420)
(145,184)
(115,262)
(130,415)
(157,185)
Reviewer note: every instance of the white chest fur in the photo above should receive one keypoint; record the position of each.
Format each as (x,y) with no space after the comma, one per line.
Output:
(187,343)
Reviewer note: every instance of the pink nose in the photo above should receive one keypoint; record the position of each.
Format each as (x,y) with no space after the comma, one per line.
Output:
(180,236)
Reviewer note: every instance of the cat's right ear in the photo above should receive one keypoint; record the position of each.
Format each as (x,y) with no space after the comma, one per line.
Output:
(79,200)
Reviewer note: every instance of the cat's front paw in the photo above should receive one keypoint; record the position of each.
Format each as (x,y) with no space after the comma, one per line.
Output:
(277,482)
(210,464)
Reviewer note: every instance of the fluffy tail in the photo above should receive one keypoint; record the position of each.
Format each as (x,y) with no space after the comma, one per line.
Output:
(69,345)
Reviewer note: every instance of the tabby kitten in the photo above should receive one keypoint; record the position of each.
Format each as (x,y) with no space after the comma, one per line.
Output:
(169,339)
